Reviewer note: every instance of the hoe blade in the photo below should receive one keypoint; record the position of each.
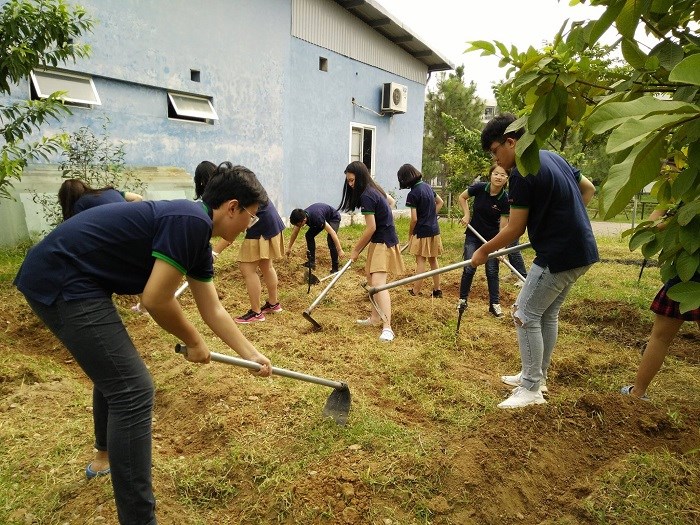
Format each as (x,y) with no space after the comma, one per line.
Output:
(338,405)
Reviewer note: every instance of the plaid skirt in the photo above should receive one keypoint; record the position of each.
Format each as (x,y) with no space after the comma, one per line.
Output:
(664,305)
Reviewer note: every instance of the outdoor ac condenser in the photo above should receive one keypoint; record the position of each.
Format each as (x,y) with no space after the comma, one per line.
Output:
(394,98)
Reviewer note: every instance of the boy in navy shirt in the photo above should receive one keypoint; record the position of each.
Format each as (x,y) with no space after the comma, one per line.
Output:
(317,217)
(131,248)
(552,205)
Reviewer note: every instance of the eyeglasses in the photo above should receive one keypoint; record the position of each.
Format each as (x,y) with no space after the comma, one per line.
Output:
(253,218)
(493,150)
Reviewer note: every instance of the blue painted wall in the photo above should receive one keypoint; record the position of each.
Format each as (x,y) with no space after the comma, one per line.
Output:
(320,116)
(278,113)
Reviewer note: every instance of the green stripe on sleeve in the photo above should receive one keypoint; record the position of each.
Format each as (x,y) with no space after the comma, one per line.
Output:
(170,261)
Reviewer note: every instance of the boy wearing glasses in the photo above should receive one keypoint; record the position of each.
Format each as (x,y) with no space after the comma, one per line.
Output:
(144,248)
(551,204)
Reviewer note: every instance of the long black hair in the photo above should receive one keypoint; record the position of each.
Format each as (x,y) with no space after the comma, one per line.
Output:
(202,174)
(351,196)
(71,190)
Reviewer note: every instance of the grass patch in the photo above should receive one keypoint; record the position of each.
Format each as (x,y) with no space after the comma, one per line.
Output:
(648,488)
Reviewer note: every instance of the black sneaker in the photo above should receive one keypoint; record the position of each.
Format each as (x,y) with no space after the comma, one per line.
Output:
(462,305)
(437,294)
(309,264)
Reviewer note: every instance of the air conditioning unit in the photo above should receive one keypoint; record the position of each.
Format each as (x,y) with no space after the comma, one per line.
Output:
(394,98)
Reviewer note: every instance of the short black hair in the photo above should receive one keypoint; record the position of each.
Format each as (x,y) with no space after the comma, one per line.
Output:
(234,182)
(495,130)
(297,216)
(408,175)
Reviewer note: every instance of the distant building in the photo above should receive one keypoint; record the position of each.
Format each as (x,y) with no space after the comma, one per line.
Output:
(490,109)
(292,89)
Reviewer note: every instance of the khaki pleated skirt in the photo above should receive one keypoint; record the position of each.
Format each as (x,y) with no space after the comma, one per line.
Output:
(252,250)
(380,258)
(426,246)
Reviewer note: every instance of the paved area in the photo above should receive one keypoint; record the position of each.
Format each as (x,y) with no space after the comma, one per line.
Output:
(609,228)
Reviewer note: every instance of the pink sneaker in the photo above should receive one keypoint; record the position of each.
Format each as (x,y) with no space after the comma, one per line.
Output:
(250,317)
(271,308)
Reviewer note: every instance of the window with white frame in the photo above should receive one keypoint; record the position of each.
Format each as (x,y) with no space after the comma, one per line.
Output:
(363,144)
(78,90)
(191,107)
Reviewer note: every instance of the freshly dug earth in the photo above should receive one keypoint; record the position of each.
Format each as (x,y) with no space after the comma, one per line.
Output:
(424,443)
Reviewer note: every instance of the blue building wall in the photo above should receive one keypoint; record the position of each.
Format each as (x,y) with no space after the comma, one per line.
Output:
(320,117)
(140,50)
(278,113)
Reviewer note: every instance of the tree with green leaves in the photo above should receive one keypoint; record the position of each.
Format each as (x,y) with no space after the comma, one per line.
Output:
(451,97)
(34,34)
(649,109)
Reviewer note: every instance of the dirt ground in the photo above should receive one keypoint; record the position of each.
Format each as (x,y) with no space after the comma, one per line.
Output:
(525,466)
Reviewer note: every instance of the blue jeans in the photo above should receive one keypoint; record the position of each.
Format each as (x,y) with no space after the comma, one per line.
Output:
(536,316)
(470,246)
(94,334)
(311,234)
(516,259)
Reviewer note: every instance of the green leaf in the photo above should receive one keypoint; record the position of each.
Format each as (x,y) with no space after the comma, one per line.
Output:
(689,236)
(641,237)
(652,63)
(651,248)
(632,54)
(530,159)
(687,264)
(687,71)
(685,181)
(628,18)
(517,124)
(609,116)
(669,53)
(539,114)
(688,212)
(687,294)
(685,93)
(635,130)
(486,48)
(625,179)
(601,25)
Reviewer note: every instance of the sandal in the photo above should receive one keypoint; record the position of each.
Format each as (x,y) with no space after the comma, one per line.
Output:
(90,474)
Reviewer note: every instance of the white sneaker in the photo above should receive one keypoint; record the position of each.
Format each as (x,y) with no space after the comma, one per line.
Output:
(386,335)
(522,397)
(516,381)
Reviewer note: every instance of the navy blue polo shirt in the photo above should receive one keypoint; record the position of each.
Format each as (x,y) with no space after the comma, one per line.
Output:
(269,225)
(557,222)
(372,202)
(112,249)
(90,200)
(317,215)
(487,210)
(422,198)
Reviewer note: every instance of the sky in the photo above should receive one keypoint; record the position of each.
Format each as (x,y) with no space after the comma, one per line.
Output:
(447,25)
